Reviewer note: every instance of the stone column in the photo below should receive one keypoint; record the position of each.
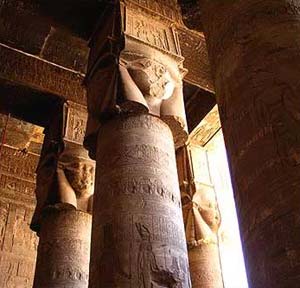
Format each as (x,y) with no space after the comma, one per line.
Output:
(201,217)
(64,248)
(136,115)
(62,218)
(255,57)
(138,234)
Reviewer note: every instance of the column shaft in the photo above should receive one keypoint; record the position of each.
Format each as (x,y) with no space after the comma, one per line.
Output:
(255,55)
(205,266)
(138,235)
(64,248)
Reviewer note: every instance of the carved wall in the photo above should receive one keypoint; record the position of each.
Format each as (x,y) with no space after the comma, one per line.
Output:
(18,244)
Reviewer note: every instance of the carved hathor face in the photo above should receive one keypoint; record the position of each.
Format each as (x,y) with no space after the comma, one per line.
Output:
(80,175)
(152,78)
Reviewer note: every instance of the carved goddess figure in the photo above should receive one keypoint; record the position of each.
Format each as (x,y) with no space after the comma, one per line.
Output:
(75,177)
(64,179)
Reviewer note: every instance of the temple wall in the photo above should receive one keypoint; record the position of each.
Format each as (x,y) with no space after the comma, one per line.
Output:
(18,244)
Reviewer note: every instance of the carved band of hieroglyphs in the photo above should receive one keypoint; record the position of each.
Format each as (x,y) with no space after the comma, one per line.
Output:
(135,154)
(143,186)
(63,273)
(153,33)
(17,186)
(161,228)
(146,122)
(16,164)
(30,71)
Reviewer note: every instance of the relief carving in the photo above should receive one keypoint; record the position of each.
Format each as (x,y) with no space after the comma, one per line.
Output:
(200,208)
(150,274)
(76,123)
(152,80)
(138,68)
(159,89)
(201,215)
(144,30)
(64,177)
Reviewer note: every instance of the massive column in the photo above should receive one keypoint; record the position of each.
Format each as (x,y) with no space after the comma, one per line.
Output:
(255,57)
(136,113)
(62,218)
(201,217)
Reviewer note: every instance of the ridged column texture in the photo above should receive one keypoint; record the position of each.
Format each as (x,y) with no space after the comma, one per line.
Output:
(254,47)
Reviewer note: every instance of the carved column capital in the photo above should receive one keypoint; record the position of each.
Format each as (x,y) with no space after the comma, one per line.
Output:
(135,66)
(65,173)
(200,208)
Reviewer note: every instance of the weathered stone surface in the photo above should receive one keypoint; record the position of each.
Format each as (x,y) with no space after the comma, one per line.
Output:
(64,49)
(16,164)
(64,248)
(255,60)
(194,50)
(205,266)
(38,74)
(138,234)
(17,243)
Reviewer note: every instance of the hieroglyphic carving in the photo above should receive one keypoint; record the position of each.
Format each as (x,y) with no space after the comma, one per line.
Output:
(152,33)
(31,71)
(18,165)
(194,51)
(18,245)
(150,69)
(75,123)
(64,248)
(147,248)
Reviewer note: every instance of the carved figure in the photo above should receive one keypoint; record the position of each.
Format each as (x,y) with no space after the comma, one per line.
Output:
(200,208)
(64,178)
(201,215)
(75,178)
(149,273)
(152,81)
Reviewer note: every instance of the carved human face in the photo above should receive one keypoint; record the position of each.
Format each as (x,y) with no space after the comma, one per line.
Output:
(152,78)
(80,175)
